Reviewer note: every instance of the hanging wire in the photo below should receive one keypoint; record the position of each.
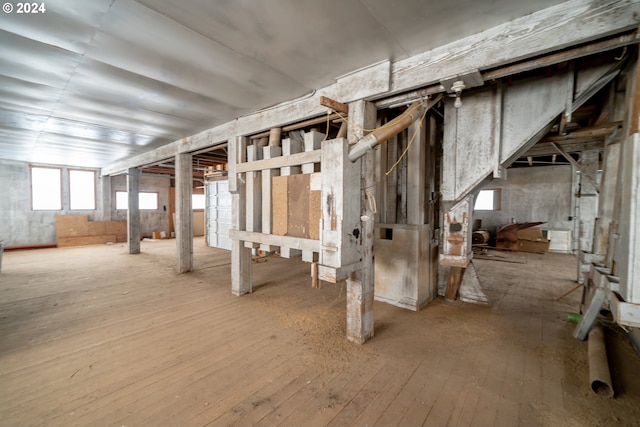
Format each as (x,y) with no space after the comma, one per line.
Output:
(326,134)
(406,150)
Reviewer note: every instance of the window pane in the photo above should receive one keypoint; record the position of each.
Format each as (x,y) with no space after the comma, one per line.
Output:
(122,202)
(197,201)
(485,201)
(82,189)
(147,201)
(46,191)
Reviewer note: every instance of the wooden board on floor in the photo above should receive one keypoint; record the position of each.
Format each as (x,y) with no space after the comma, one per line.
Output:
(64,242)
(95,336)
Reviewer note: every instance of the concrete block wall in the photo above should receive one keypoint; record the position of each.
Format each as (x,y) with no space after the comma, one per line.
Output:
(528,194)
(19,225)
(150,220)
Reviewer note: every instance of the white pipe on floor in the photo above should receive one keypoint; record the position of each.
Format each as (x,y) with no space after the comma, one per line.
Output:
(599,374)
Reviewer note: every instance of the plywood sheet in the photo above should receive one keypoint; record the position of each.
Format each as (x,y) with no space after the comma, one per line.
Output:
(279,204)
(71,225)
(298,206)
(115,227)
(96,228)
(87,240)
(315,214)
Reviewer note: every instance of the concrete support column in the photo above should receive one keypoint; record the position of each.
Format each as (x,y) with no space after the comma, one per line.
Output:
(184,212)
(240,255)
(133,210)
(104,197)
(360,284)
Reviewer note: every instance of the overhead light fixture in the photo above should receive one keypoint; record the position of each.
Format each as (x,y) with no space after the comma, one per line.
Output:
(457,87)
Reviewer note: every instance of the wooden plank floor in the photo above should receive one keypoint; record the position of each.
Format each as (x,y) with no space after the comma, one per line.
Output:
(92,336)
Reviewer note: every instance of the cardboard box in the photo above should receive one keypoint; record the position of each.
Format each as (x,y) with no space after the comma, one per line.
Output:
(532,240)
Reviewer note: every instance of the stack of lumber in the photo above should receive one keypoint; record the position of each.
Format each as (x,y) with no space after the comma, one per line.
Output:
(77,230)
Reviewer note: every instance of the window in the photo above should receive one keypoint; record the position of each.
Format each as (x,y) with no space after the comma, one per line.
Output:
(46,189)
(487,200)
(82,189)
(147,201)
(197,201)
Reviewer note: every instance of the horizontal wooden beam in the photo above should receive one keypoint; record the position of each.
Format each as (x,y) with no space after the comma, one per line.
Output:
(520,67)
(334,105)
(546,149)
(274,240)
(301,125)
(281,161)
(565,55)
(555,28)
(591,132)
(337,274)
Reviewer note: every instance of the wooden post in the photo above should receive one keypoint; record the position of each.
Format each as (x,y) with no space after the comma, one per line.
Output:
(253,189)
(455,277)
(290,146)
(267,201)
(184,213)
(133,210)
(312,142)
(315,283)
(416,176)
(240,256)
(401,170)
(391,205)
(360,288)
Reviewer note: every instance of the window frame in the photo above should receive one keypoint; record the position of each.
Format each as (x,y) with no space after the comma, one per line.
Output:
(204,200)
(95,201)
(139,193)
(497,200)
(60,184)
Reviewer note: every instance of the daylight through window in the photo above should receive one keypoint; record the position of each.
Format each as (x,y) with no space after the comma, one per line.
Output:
(82,189)
(147,201)
(487,200)
(46,189)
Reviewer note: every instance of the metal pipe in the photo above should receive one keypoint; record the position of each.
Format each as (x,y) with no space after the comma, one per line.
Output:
(599,374)
(342,133)
(381,134)
(394,127)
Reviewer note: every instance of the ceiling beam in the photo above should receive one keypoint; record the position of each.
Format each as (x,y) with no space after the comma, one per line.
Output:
(558,27)
(546,149)
(565,55)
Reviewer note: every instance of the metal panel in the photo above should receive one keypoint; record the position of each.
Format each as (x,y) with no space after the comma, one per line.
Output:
(218,214)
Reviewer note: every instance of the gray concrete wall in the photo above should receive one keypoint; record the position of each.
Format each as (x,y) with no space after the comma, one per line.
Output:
(19,225)
(533,194)
(150,220)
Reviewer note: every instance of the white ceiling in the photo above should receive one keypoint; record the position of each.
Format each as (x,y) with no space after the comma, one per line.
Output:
(90,82)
